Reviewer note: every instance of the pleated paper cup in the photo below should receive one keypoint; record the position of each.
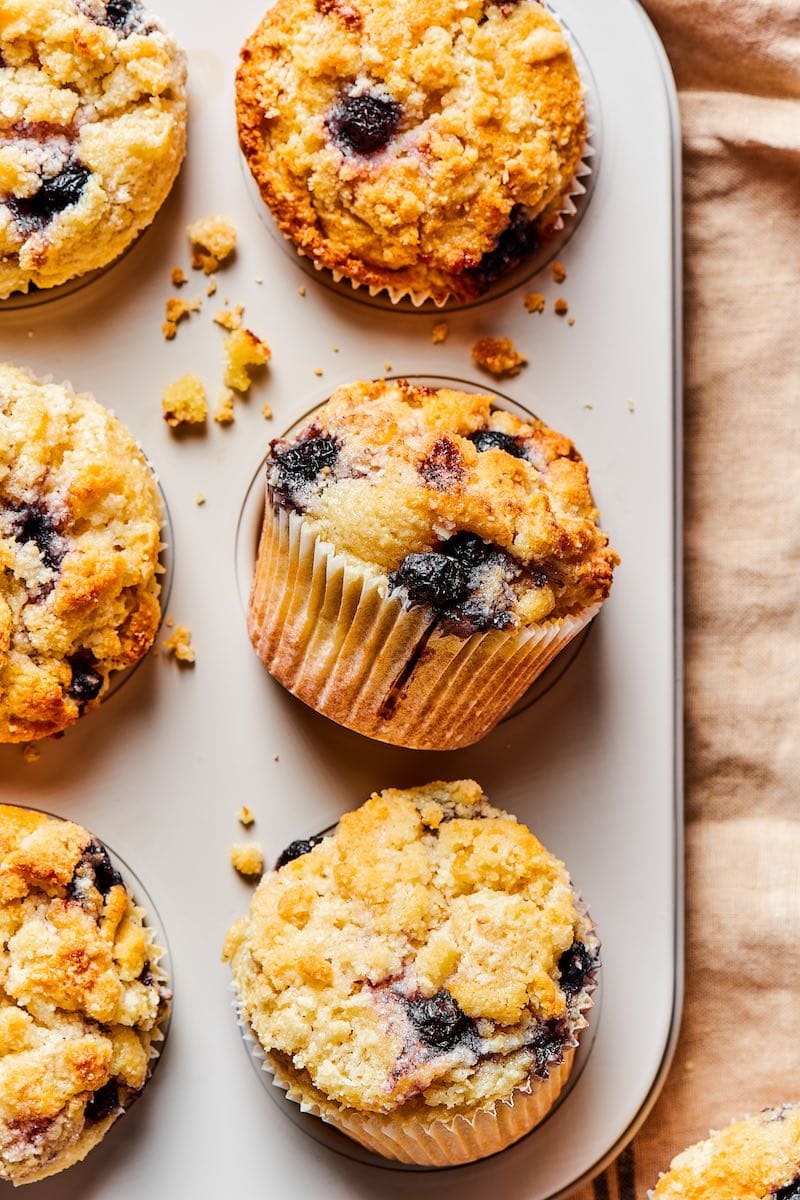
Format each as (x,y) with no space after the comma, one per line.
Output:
(327,630)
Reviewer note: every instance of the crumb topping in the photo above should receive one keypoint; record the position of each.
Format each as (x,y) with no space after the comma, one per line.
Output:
(184,402)
(244,353)
(498,356)
(179,646)
(247,858)
(213,242)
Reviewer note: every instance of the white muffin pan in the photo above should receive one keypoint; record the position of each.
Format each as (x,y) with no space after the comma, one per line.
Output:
(593,765)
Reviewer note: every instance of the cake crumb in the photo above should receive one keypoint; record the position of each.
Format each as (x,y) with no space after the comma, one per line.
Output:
(180,647)
(223,414)
(266,411)
(535,302)
(245,816)
(200,499)
(170,621)
(440,332)
(318,371)
(247,858)
(570,321)
(561,307)
(178,310)
(259,280)
(301,291)
(179,277)
(184,402)
(245,352)
(335,349)
(387,366)
(588,405)
(558,271)
(213,242)
(498,356)
(276,758)
(211,290)
(30,753)
(630,407)
(230,318)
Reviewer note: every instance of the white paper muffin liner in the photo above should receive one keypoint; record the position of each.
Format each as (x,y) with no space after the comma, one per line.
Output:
(327,631)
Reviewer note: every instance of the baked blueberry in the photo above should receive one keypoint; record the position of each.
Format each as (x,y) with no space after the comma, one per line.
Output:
(432,578)
(87,681)
(439,1021)
(518,241)
(576,965)
(33,523)
(548,1043)
(300,465)
(364,123)
(790,1192)
(103,1102)
(94,869)
(296,850)
(493,439)
(56,194)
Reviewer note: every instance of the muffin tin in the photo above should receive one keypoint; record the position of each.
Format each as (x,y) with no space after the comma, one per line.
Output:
(593,765)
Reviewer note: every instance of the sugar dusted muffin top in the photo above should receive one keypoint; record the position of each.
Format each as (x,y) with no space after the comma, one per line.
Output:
(422,145)
(430,952)
(82,994)
(486,518)
(754,1159)
(80,535)
(92,133)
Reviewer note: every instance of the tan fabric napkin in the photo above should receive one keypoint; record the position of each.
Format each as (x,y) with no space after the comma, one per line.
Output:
(737,64)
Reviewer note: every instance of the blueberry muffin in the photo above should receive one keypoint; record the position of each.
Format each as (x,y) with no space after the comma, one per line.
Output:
(420,977)
(83,999)
(80,537)
(420,146)
(424,556)
(754,1159)
(92,134)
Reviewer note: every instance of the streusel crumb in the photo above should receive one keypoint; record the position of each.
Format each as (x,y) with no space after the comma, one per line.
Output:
(558,271)
(178,310)
(224,414)
(245,816)
(498,356)
(247,858)
(245,353)
(440,333)
(184,402)
(535,302)
(213,242)
(230,318)
(179,277)
(179,646)
(561,307)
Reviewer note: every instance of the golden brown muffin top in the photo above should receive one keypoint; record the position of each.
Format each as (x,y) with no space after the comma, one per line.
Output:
(487,518)
(430,951)
(81,992)
(80,535)
(411,144)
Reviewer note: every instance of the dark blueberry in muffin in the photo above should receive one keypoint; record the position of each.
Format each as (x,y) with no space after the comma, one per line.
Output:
(548,1044)
(300,465)
(790,1192)
(439,1021)
(34,524)
(364,124)
(95,868)
(86,680)
(119,12)
(297,850)
(443,467)
(518,240)
(492,439)
(432,578)
(469,550)
(576,966)
(103,1102)
(54,196)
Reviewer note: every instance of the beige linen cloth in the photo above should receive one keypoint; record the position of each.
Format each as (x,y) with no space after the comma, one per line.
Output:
(737,65)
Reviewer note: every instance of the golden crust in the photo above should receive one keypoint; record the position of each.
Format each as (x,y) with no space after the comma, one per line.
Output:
(418,892)
(80,536)
(387,498)
(81,95)
(82,995)
(492,121)
(748,1160)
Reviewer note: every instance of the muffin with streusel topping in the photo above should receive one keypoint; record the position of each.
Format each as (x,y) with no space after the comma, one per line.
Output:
(84,1001)
(80,538)
(424,556)
(419,978)
(425,147)
(754,1159)
(92,134)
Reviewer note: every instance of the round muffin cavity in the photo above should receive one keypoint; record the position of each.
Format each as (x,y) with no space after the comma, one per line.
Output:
(485,519)
(429,955)
(80,537)
(425,146)
(92,134)
(82,999)
(754,1159)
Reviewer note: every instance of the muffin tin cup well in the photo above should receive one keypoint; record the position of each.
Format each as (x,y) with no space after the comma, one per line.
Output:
(563,225)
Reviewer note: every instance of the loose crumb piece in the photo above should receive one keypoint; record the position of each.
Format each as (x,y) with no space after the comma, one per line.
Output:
(588,405)
(276,758)
(558,271)
(170,621)
(178,310)
(184,402)
(230,318)
(535,302)
(213,242)
(179,277)
(259,280)
(247,858)
(498,356)
(301,291)
(245,816)
(318,371)
(180,646)
(211,290)
(30,753)
(223,414)
(387,366)
(440,332)
(335,349)
(266,411)
(630,406)
(200,499)
(561,307)
(570,320)
(245,352)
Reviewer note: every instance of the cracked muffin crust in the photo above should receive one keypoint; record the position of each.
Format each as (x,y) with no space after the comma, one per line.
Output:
(92,134)
(423,146)
(80,536)
(754,1159)
(83,999)
(424,963)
